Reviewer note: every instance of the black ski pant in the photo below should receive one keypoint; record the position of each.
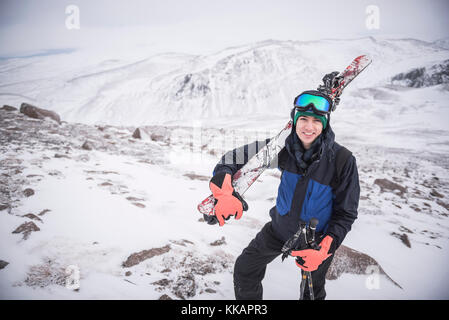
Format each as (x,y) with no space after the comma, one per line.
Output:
(250,266)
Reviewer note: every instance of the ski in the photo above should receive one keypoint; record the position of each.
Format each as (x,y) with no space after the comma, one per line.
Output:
(255,166)
(252,170)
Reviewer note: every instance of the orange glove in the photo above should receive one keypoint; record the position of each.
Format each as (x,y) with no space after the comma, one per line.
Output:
(228,203)
(313,258)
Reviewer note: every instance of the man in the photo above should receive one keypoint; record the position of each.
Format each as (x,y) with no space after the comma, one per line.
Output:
(308,189)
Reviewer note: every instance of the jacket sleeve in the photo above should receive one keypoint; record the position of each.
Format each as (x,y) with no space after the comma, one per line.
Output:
(235,159)
(346,203)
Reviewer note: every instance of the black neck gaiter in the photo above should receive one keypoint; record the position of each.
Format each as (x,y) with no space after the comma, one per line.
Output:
(304,157)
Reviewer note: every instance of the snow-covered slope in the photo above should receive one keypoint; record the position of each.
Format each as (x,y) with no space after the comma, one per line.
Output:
(122,212)
(259,78)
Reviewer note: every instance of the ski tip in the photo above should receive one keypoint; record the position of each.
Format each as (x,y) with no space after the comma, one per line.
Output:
(357,65)
(364,58)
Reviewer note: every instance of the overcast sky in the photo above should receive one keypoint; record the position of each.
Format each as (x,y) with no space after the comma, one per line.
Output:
(204,25)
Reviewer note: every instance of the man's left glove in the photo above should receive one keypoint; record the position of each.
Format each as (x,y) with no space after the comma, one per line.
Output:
(310,259)
(228,202)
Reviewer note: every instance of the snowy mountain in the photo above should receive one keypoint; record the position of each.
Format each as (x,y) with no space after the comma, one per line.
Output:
(425,76)
(443,43)
(89,193)
(260,78)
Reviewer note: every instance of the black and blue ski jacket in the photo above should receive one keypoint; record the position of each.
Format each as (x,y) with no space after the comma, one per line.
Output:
(305,193)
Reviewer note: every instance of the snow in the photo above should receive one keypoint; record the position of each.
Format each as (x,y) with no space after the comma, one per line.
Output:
(129,195)
(256,78)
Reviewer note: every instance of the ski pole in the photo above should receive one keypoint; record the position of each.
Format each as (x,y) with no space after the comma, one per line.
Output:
(310,240)
(305,275)
(295,243)
(309,281)
(312,228)
(303,285)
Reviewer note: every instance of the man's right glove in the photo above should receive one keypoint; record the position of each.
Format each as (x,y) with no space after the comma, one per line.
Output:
(227,202)
(311,258)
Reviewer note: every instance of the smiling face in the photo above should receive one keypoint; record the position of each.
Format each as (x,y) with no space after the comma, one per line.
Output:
(308,129)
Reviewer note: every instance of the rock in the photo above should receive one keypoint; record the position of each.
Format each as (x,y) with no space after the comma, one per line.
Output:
(347,260)
(105,184)
(185,286)
(55,173)
(218,242)
(58,155)
(138,257)
(26,228)
(4,206)
(130,198)
(87,146)
(28,192)
(3,264)
(128,273)
(43,212)
(204,268)
(165,297)
(136,134)
(425,76)
(443,204)
(8,108)
(32,217)
(403,237)
(209,290)
(46,274)
(163,282)
(435,193)
(387,185)
(157,137)
(38,113)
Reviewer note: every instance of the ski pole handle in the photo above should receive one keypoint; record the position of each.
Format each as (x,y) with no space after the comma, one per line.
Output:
(312,228)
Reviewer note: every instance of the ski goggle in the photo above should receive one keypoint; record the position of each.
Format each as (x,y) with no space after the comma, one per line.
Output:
(320,104)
